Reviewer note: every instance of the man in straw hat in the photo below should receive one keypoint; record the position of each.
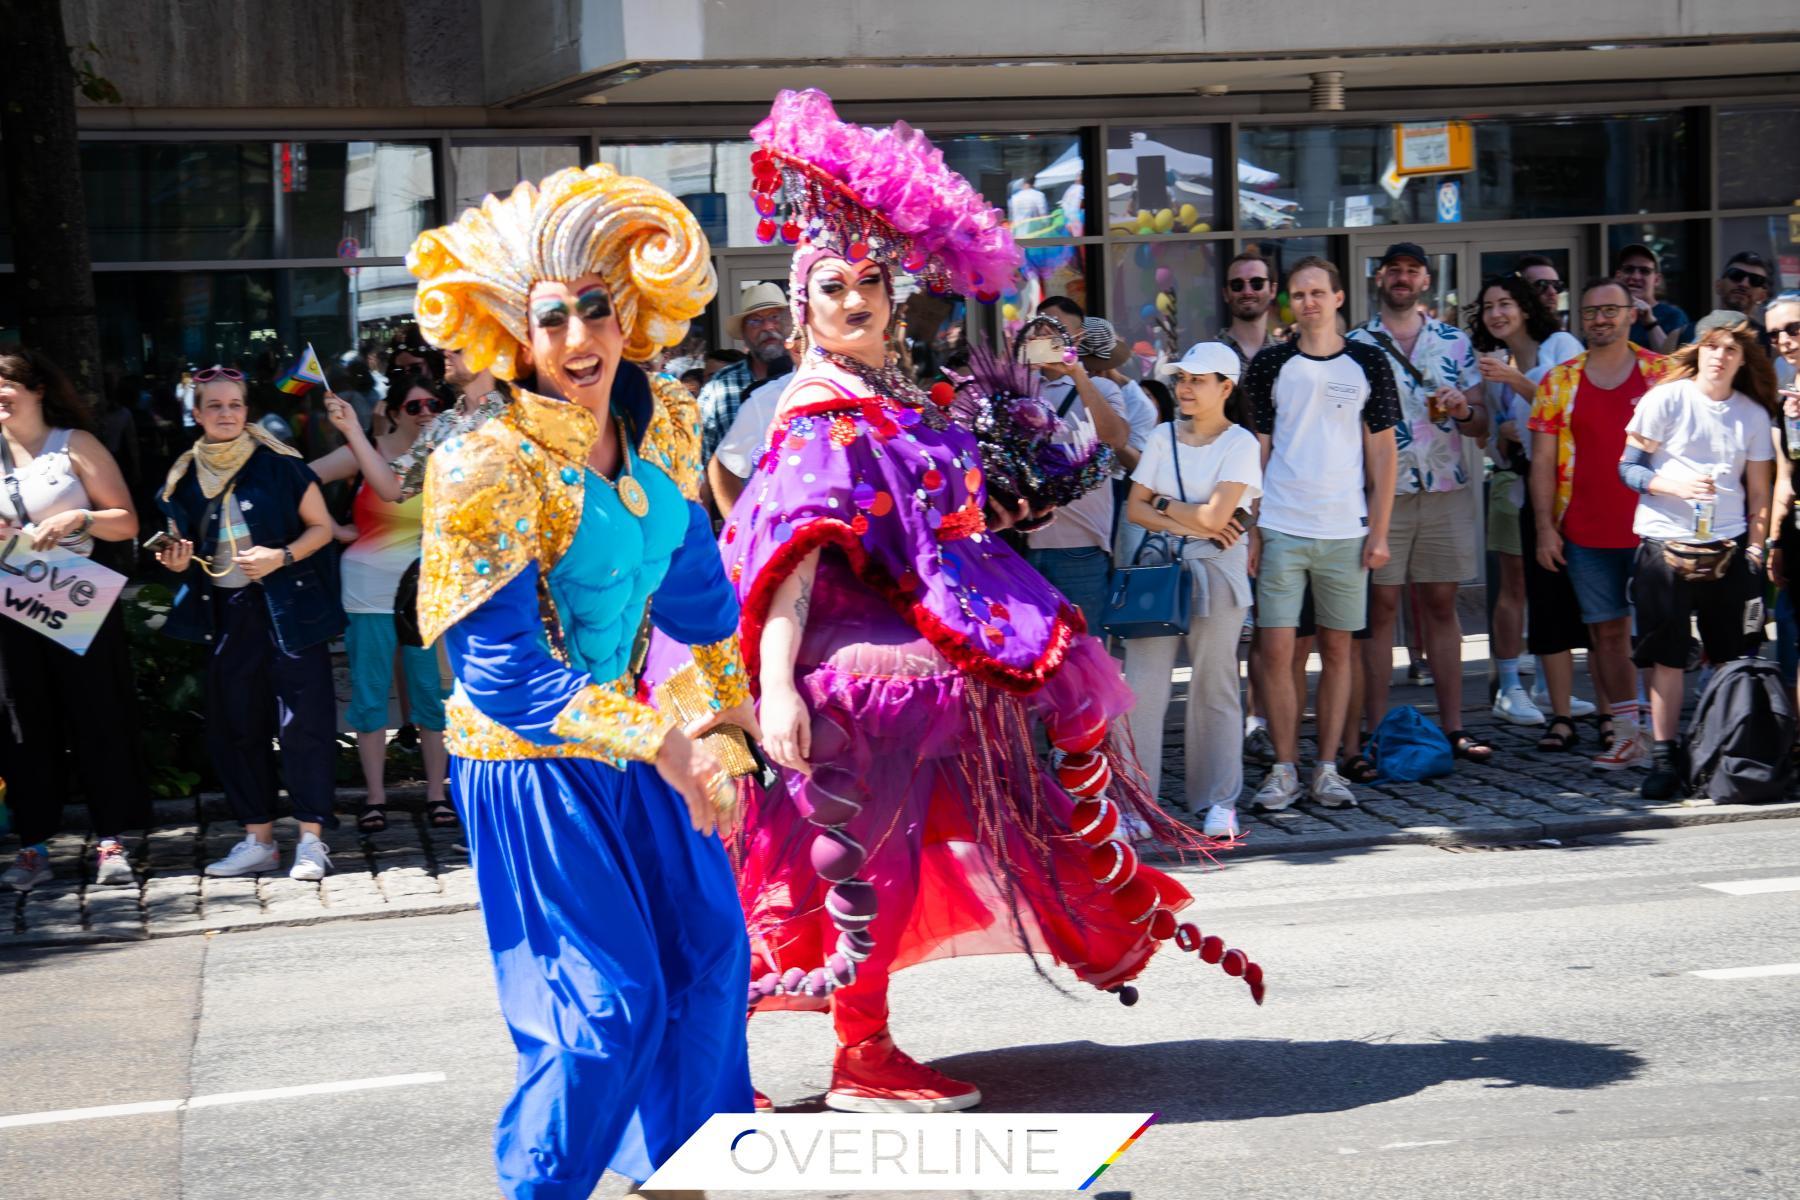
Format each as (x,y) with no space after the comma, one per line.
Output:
(763,324)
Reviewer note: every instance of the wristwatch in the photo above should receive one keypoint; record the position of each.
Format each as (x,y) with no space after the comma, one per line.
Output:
(287,556)
(1162,504)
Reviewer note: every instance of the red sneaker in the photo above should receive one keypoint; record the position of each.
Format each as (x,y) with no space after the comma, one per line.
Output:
(876,1076)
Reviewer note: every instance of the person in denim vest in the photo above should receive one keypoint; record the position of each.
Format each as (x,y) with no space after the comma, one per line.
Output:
(250,521)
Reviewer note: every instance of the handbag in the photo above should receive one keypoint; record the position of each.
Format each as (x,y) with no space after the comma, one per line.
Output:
(406,607)
(1153,598)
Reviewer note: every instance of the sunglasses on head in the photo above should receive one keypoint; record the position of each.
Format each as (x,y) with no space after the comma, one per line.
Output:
(1255,283)
(1739,275)
(212,373)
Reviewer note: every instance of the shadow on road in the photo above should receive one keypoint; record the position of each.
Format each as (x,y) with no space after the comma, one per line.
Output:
(1238,1080)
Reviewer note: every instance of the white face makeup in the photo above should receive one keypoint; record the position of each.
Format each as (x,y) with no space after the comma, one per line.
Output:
(847,308)
(576,341)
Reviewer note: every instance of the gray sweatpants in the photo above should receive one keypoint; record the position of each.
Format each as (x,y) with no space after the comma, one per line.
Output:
(1215,715)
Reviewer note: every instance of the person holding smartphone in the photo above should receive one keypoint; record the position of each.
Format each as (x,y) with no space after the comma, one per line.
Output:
(61,488)
(1196,477)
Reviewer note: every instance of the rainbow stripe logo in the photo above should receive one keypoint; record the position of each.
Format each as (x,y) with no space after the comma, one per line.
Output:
(1119,1153)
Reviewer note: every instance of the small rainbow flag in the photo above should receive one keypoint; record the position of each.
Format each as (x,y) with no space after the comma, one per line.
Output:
(304,374)
(1117,1154)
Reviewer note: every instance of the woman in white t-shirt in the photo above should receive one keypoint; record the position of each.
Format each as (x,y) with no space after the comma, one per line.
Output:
(1216,465)
(1519,341)
(383,544)
(1699,451)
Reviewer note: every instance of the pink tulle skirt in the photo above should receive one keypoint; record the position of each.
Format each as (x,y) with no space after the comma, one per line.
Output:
(966,829)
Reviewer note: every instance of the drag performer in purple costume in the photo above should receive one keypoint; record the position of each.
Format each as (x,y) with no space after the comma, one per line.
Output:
(904,654)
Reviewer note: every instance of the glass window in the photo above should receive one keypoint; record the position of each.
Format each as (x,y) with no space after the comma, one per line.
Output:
(1757,165)
(1165,297)
(1035,178)
(711,178)
(1045,271)
(1298,176)
(1776,238)
(480,169)
(1686,281)
(234,200)
(1162,180)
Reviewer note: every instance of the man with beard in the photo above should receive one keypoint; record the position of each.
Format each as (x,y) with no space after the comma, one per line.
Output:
(1743,286)
(1432,534)
(763,324)
(1655,323)
(1584,512)
(1249,295)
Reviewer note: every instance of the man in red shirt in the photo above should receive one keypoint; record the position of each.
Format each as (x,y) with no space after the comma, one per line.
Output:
(1584,513)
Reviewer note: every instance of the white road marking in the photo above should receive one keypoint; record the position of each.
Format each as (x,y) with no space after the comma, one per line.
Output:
(217,1099)
(1756,887)
(1749,972)
(1413,1145)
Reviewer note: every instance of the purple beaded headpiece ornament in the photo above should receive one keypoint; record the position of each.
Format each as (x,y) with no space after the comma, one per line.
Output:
(831,187)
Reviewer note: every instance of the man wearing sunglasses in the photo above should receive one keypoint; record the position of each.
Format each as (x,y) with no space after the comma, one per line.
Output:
(1657,323)
(1743,286)
(1546,284)
(1249,297)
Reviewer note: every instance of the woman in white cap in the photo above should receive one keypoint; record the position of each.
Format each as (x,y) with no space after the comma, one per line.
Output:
(1194,475)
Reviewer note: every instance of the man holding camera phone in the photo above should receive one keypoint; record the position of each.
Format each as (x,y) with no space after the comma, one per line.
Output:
(1075,551)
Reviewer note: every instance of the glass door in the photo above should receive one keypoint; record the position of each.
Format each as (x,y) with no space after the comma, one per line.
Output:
(1449,263)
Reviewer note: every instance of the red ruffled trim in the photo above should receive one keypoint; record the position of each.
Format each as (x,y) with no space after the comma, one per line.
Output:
(961,653)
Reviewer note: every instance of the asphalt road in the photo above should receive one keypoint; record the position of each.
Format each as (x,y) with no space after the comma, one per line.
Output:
(1479,1024)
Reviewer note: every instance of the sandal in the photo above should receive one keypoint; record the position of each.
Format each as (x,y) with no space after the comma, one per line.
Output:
(442,815)
(1464,745)
(1604,723)
(1358,769)
(1554,741)
(373,818)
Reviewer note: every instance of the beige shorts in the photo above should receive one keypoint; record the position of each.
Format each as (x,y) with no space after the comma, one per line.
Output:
(1431,539)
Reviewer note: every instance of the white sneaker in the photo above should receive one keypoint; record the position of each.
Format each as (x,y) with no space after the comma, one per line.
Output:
(1540,696)
(1329,788)
(248,857)
(110,867)
(1221,822)
(29,869)
(1515,706)
(312,859)
(1631,748)
(1281,787)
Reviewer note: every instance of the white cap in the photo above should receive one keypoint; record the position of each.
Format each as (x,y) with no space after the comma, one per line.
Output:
(1209,358)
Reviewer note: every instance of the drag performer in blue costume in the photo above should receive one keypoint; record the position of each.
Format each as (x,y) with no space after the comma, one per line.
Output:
(611,911)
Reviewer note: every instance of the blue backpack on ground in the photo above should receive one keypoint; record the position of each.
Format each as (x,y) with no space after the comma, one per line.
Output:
(1408,748)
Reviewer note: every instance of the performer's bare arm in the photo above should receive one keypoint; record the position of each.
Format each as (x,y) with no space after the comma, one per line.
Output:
(786,723)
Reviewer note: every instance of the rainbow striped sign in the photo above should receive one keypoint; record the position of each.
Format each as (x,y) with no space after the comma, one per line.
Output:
(56,592)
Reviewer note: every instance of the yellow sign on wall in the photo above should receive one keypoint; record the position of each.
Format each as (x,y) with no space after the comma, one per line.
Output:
(1434,148)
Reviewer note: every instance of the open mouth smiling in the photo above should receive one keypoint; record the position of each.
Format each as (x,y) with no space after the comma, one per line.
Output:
(584,370)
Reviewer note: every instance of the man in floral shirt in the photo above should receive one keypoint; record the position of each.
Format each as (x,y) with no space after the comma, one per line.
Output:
(1432,536)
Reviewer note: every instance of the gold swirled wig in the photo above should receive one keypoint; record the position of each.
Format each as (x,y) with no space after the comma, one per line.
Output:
(476,275)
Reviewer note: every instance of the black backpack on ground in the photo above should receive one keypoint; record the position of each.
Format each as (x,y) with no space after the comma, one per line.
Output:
(1740,744)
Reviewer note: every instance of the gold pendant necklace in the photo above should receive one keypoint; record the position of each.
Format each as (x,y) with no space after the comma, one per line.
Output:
(629,491)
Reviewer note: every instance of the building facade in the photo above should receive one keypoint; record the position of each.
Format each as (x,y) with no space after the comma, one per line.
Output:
(271,163)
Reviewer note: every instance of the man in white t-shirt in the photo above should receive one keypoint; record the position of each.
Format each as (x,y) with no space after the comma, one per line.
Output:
(1325,410)
(1699,451)
(736,456)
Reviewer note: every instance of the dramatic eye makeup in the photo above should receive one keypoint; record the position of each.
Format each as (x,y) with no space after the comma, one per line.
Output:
(594,304)
(550,314)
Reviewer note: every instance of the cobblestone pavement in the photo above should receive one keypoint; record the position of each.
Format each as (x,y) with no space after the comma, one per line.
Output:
(1521,797)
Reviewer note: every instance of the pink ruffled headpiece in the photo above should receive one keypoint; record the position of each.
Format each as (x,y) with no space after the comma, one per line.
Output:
(882,194)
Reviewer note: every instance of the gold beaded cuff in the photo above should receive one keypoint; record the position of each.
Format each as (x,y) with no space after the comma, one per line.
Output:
(722,665)
(618,726)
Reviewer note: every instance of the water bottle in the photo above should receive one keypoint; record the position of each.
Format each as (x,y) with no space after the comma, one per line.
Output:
(1705,509)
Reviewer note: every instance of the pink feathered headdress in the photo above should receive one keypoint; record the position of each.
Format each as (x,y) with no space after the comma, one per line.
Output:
(882,194)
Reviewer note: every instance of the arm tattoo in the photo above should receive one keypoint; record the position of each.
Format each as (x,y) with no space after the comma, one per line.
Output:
(803,601)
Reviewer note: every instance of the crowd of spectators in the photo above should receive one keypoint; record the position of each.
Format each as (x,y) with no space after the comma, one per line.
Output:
(1326,487)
